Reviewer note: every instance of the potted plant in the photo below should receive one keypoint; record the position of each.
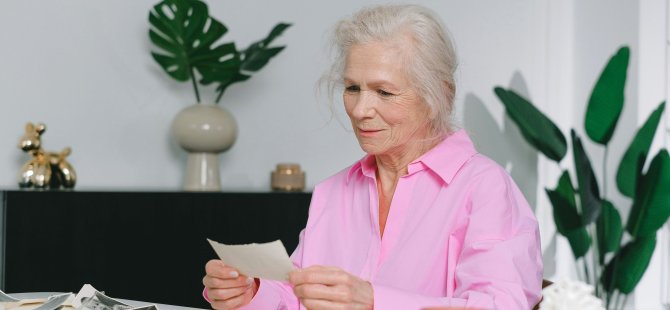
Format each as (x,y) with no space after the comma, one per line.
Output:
(187,45)
(610,256)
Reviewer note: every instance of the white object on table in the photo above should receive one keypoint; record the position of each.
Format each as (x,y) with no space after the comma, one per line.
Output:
(34,295)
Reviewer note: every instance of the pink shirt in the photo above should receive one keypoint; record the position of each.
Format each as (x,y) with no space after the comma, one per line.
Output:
(459,233)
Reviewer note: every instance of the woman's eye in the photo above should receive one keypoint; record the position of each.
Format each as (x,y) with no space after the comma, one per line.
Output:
(352,88)
(384,93)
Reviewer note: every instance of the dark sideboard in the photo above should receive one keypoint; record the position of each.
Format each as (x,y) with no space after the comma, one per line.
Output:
(136,245)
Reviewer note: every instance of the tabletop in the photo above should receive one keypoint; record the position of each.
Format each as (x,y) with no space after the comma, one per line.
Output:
(127,301)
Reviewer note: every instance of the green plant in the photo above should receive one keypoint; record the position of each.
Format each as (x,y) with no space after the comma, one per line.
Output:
(187,36)
(583,214)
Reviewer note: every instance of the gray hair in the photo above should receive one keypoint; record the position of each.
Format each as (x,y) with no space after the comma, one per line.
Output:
(432,59)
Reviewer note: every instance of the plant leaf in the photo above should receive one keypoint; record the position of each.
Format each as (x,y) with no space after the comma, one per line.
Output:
(255,57)
(626,176)
(259,59)
(651,206)
(185,34)
(609,230)
(567,219)
(626,269)
(172,67)
(535,127)
(607,98)
(589,194)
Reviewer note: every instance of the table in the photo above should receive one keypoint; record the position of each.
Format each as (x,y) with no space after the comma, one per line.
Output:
(127,301)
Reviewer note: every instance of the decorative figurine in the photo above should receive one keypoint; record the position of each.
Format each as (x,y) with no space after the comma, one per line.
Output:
(45,169)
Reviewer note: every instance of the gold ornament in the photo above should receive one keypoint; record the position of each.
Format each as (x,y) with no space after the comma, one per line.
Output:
(44,169)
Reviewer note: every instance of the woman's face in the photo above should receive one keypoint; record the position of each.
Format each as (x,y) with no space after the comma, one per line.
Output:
(386,113)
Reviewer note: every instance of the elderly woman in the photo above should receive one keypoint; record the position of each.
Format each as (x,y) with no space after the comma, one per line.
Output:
(423,220)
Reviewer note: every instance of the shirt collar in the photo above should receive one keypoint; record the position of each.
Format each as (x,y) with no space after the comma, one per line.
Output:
(445,159)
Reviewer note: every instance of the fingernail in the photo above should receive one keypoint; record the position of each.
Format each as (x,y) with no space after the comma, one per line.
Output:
(250,280)
(234,274)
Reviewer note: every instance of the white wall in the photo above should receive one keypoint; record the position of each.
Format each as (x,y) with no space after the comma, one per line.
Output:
(83,67)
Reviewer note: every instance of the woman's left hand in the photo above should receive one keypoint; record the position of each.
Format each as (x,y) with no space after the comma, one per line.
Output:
(320,287)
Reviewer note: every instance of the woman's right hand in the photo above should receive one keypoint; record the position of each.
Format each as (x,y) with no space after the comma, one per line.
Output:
(226,288)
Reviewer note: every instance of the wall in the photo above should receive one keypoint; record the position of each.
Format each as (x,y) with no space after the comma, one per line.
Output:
(83,67)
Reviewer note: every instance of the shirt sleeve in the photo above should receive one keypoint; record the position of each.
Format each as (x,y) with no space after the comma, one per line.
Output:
(500,264)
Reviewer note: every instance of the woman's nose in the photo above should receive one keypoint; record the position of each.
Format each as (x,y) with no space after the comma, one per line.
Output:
(364,107)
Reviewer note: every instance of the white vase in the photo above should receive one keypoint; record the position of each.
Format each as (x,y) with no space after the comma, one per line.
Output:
(204,131)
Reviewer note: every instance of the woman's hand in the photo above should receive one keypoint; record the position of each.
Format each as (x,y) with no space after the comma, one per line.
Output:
(320,287)
(226,288)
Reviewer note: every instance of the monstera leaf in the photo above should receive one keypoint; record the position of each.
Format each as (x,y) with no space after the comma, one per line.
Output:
(607,98)
(255,57)
(185,35)
(535,127)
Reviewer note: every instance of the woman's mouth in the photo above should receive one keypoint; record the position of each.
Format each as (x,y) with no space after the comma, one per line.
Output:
(368,132)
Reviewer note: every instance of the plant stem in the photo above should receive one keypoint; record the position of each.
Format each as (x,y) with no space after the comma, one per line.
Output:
(595,255)
(587,276)
(195,85)
(608,299)
(619,299)
(625,299)
(218,97)
(605,173)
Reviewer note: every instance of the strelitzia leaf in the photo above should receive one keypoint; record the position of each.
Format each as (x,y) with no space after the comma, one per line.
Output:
(589,194)
(536,128)
(607,98)
(651,206)
(626,176)
(626,269)
(567,218)
(609,230)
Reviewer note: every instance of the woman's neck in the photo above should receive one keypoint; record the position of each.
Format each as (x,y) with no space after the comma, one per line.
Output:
(393,165)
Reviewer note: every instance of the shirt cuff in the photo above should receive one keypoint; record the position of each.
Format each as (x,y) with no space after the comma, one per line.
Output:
(390,298)
(265,298)
(204,295)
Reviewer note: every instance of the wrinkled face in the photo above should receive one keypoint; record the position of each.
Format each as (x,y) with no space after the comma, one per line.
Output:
(386,113)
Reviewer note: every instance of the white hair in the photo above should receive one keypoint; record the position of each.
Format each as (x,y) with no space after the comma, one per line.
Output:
(431,61)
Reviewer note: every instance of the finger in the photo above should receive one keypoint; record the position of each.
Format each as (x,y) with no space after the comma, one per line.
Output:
(319,276)
(216,268)
(323,304)
(232,303)
(240,281)
(226,293)
(319,291)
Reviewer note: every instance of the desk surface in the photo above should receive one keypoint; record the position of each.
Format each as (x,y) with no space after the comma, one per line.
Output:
(127,301)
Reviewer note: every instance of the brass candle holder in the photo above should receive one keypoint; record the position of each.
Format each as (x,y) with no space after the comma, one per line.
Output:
(288,178)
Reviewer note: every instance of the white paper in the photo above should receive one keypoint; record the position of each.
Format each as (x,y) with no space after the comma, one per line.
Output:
(258,260)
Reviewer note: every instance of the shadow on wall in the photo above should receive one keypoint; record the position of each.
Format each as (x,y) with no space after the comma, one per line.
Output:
(508,148)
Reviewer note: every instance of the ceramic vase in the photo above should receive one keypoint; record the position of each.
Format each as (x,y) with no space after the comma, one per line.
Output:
(204,131)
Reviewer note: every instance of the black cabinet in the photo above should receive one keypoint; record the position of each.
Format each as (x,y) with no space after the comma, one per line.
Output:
(135,245)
